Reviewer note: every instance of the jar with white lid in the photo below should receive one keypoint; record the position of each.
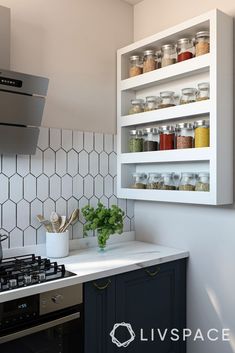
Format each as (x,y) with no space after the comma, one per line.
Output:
(188,95)
(149,63)
(203,182)
(167,137)
(154,181)
(203,92)
(187,182)
(151,139)
(158,59)
(167,181)
(167,99)
(202,133)
(185,49)
(168,55)
(184,135)
(135,66)
(137,106)
(136,141)
(151,103)
(202,43)
(139,181)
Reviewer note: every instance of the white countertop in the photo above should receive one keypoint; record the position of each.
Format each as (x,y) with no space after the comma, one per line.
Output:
(90,264)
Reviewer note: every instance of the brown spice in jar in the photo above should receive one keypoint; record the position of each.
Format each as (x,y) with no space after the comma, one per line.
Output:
(168,187)
(168,61)
(135,71)
(202,48)
(187,187)
(184,142)
(149,65)
(202,99)
(165,105)
(138,186)
(155,186)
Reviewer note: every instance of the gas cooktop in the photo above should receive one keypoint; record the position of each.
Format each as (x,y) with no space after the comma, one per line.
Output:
(22,271)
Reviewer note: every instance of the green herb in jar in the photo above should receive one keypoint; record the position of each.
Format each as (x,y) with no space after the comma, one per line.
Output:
(136,141)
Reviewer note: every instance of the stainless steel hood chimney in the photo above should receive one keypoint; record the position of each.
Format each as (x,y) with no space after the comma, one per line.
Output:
(22,101)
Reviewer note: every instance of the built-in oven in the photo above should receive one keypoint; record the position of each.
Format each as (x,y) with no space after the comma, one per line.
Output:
(51,322)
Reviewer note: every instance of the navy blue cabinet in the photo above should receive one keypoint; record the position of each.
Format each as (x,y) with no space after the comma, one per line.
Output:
(152,300)
(99,314)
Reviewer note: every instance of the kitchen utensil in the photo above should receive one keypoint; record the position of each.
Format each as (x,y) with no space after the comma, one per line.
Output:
(73,218)
(62,223)
(55,221)
(2,238)
(45,222)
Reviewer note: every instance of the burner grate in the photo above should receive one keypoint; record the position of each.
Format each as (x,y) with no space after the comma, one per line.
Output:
(26,270)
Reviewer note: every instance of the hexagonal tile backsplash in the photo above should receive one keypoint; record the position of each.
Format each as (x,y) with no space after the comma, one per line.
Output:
(70,169)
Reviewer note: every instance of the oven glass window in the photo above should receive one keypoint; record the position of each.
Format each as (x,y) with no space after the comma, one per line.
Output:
(59,339)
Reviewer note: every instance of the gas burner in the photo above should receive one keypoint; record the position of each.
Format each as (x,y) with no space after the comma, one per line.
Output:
(22,271)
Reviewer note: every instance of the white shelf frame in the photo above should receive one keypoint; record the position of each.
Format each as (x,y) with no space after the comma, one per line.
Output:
(219,65)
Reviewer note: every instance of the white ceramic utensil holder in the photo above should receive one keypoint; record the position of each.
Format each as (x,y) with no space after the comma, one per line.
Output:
(57,244)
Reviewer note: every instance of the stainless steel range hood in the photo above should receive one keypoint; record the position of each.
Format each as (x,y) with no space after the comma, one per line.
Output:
(22,101)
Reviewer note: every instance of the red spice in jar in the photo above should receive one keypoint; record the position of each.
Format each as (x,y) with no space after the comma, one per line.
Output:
(167,141)
(185,56)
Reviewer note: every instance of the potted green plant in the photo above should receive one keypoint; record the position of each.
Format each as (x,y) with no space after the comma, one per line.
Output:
(106,221)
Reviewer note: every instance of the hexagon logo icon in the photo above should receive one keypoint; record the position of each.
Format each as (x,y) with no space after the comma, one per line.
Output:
(129,329)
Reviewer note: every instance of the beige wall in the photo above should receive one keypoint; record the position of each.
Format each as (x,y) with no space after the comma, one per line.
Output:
(207,232)
(73,42)
(152,16)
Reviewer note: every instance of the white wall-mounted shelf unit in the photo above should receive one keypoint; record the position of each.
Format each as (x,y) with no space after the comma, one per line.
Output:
(215,67)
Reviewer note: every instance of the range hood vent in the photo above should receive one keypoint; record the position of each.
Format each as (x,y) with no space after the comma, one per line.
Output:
(22,101)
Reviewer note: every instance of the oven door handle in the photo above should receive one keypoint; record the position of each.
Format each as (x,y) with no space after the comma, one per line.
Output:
(38,328)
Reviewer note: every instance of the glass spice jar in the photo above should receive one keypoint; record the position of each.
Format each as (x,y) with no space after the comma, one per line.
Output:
(135,67)
(188,95)
(184,135)
(167,182)
(167,99)
(202,133)
(154,181)
(202,43)
(149,63)
(185,49)
(168,54)
(136,141)
(203,182)
(203,92)
(158,59)
(187,182)
(151,139)
(167,138)
(137,106)
(139,181)
(151,103)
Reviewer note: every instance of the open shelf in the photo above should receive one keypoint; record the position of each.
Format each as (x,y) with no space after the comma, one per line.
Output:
(166,74)
(191,197)
(215,68)
(183,155)
(179,111)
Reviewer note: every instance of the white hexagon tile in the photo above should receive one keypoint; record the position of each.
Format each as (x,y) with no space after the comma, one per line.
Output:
(70,169)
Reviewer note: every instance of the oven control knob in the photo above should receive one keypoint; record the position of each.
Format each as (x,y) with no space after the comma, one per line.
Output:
(57,299)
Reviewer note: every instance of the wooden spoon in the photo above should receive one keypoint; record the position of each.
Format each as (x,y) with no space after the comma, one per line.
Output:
(55,221)
(45,222)
(62,223)
(74,216)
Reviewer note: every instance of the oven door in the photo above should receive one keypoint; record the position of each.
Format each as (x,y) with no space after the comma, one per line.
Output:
(60,335)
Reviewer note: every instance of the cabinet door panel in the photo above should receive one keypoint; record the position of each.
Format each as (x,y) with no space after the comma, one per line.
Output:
(153,298)
(99,307)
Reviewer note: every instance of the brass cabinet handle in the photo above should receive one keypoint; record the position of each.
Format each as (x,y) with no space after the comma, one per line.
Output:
(153,274)
(102,287)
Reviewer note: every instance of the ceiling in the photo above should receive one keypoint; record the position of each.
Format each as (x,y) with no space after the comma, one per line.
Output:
(132,2)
